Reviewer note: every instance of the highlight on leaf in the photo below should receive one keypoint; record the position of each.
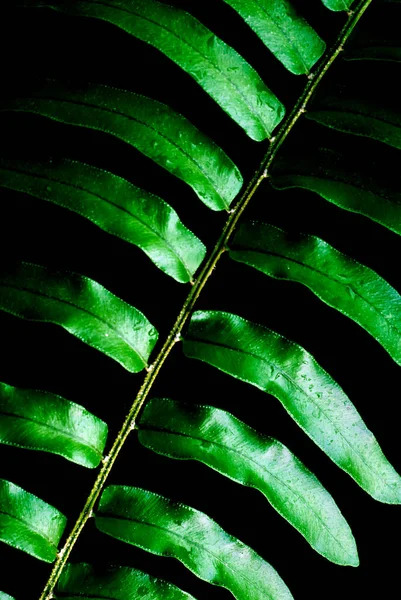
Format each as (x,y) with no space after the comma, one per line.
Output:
(153,128)
(340,281)
(38,420)
(28,523)
(214,65)
(116,583)
(167,528)
(286,33)
(261,357)
(81,306)
(4,596)
(115,205)
(226,444)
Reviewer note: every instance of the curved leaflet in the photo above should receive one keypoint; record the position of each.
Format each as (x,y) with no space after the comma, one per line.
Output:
(28,523)
(214,65)
(4,596)
(38,420)
(287,35)
(114,583)
(168,528)
(272,363)
(340,281)
(150,126)
(83,307)
(219,440)
(115,205)
(373,189)
(338,5)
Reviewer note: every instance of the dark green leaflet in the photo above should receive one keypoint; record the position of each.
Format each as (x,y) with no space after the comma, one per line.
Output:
(114,583)
(28,523)
(338,280)
(214,65)
(113,204)
(221,441)
(168,528)
(42,421)
(152,127)
(259,356)
(287,35)
(83,307)
(346,180)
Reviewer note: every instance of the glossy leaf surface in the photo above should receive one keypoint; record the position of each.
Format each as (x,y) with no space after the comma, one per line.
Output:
(272,363)
(28,523)
(114,583)
(360,117)
(168,528)
(219,440)
(337,279)
(81,306)
(4,596)
(38,420)
(287,35)
(338,5)
(347,181)
(152,127)
(214,65)
(113,204)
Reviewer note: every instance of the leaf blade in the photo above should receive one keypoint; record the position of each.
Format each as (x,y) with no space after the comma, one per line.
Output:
(214,65)
(38,420)
(81,306)
(340,281)
(113,204)
(287,35)
(28,523)
(150,126)
(338,5)
(130,514)
(229,446)
(118,583)
(267,360)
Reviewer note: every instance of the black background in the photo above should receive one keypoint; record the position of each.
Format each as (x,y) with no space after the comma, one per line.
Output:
(42,43)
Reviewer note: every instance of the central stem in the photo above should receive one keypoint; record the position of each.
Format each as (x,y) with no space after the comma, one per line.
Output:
(175,333)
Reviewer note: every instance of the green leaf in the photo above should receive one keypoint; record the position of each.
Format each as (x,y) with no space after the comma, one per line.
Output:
(168,528)
(83,307)
(358,116)
(214,65)
(221,441)
(340,281)
(115,205)
(338,5)
(114,583)
(42,421)
(153,128)
(272,363)
(287,35)
(28,523)
(4,596)
(371,189)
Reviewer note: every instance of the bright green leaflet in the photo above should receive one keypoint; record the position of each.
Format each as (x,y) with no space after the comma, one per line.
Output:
(83,307)
(214,65)
(113,204)
(38,420)
(287,35)
(4,596)
(153,128)
(370,191)
(272,363)
(168,528)
(359,117)
(338,5)
(337,279)
(219,440)
(114,583)
(28,523)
